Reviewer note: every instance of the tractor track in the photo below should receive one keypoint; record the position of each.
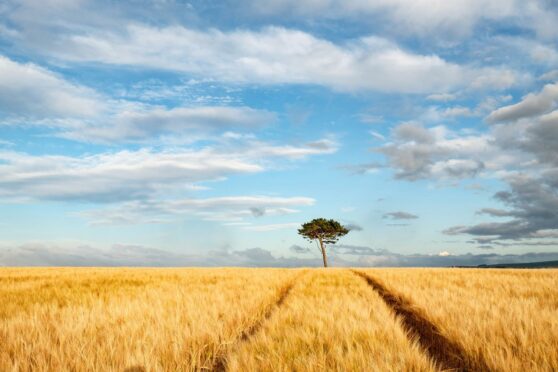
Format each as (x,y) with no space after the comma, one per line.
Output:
(220,363)
(446,353)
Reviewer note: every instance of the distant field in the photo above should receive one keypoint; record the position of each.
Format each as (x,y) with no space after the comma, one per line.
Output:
(114,319)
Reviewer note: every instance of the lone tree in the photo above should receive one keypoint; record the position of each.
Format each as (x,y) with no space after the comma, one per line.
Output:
(324,232)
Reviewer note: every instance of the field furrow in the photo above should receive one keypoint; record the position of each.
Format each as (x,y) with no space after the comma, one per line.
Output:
(138,320)
(176,320)
(448,354)
(505,317)
(330,321)
(220,363)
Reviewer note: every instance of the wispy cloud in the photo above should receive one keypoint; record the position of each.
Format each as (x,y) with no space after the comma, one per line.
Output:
(132,175)
(297,57)
(399,215)
(149,123)
(272,227)
(227,209)
(426,18)
(32,92)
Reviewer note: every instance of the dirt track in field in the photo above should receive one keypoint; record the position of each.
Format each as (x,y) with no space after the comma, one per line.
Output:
(447,354)
(220,364)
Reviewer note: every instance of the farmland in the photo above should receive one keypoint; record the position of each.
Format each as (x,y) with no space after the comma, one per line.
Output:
(117,319)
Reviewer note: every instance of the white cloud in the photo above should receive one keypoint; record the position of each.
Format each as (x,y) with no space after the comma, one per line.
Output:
(527,132)
(442,97)
(544,54)
(262,149)
(459,168)
(418,153)
(32,95)
(551,75)
(133,175)
(430,18)
(227,209)
(272,227)
(440,114)
(377,135)
(277,55)
(148,123)
(122,175)
(30,91)
(519,148)
(457,111)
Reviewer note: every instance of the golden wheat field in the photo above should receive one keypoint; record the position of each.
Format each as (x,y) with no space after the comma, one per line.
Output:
(118,319)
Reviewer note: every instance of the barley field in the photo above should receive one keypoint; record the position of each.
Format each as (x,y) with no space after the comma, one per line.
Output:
(128,319)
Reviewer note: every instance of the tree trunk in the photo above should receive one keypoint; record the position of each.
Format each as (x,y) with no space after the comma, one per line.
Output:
(322,247)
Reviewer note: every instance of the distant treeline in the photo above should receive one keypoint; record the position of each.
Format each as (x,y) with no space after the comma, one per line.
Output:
(526,265)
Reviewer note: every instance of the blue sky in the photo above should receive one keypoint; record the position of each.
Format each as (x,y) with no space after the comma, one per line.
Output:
(203,133)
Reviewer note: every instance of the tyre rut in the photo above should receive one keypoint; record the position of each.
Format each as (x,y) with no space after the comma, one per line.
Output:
(220,363)
(446,353)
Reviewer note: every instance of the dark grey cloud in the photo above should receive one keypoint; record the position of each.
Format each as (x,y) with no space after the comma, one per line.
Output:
(298,249)
(495,212)
(530,105)
(535,138)
(257,212)
(532,129)
(533,209)
(528,132)
(421,260)
(495,243)
(485,246)
(541,138)
(359,169)
(399,215)
(256,254)
(356,250)
(521,147)
(353,227)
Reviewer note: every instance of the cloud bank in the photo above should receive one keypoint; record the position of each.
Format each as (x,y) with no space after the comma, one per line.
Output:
(33,254)
(277,55)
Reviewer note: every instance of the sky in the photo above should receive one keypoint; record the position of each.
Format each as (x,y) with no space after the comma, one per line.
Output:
(203,133)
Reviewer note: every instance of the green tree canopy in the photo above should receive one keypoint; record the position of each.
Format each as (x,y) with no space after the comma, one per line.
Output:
(324,231)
